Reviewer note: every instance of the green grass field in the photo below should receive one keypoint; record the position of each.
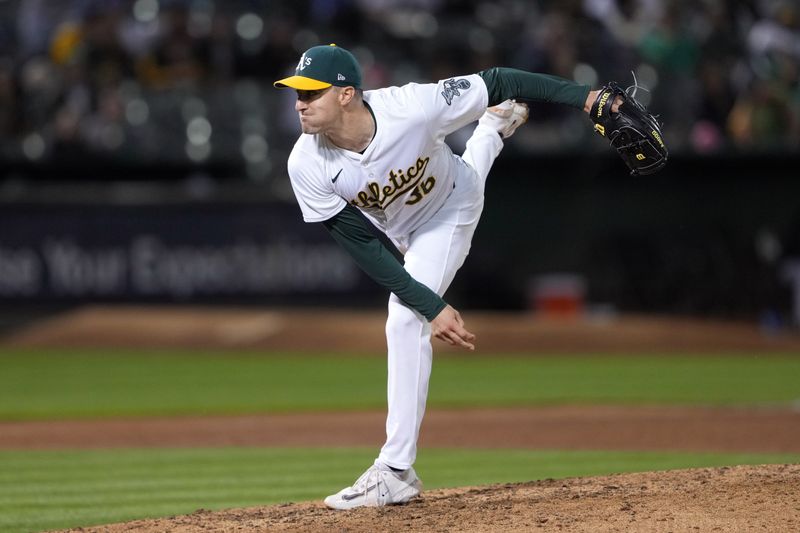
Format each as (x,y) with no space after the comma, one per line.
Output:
(56,489)
(48,490)
(53,385)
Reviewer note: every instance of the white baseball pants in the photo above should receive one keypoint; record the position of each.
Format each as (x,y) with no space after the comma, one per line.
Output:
(434,253)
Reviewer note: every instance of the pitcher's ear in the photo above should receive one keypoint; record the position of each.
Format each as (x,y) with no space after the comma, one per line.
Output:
(346,94)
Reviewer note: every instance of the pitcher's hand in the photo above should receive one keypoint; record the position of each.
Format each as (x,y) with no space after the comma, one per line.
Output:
(449,327)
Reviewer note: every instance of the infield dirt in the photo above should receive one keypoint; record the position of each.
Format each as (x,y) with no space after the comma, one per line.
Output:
(742,498)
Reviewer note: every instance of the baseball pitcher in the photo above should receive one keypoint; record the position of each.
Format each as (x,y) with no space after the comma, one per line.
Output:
(380,157)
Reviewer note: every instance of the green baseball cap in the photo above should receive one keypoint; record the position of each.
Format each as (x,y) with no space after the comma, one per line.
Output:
(322,66)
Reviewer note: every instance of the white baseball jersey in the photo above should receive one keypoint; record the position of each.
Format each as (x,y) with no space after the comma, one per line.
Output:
(407,172)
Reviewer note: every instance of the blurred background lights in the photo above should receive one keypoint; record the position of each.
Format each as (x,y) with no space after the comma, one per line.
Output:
(424,24)
(249,26)
(253,126)
(411,24)
(198,152)
(200,24)
(647,76)
(585,74)
(33,146)
(198,131)
(201,21)
(768,245)
(254,148)
(145,10)
(137,112)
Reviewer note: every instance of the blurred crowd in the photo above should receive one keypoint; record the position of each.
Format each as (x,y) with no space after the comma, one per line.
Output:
(176,81)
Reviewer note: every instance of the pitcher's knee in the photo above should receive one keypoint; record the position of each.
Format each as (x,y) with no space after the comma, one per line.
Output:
(403,320)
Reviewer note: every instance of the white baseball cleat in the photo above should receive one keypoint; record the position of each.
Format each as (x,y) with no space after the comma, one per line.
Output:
(505,117)
(376,487)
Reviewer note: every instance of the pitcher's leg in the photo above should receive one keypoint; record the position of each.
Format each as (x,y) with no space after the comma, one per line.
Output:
(434,254)
(408,336)
(481,150)
(497,123)
(436,251)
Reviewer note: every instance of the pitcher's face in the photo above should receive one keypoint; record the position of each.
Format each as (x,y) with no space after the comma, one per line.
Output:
(317,110)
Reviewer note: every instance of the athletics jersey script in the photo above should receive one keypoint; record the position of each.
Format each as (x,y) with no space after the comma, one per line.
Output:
(407,172)
(414,180)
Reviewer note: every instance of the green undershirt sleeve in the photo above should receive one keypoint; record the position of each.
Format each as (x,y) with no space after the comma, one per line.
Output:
(350,230)
(504,83)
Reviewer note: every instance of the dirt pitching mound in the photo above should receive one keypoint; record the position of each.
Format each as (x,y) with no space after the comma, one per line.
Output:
(742,498)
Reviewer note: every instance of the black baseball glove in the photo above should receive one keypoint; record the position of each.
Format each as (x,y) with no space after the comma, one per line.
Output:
(632,131)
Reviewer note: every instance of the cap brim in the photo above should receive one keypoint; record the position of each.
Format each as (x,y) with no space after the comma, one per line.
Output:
(301,83)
